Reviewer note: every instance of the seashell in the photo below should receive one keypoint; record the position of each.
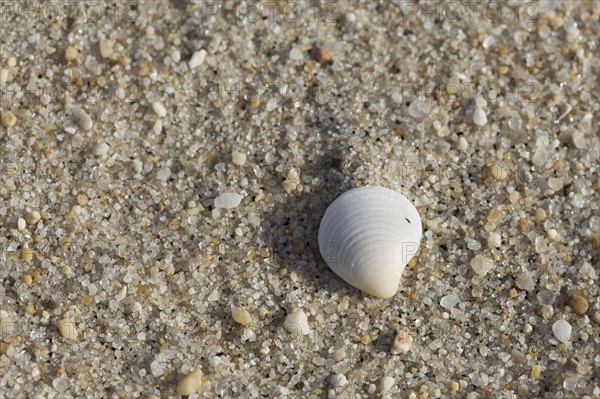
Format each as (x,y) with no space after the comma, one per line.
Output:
(368,235)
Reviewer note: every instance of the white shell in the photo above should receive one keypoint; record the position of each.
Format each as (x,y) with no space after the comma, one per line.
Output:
(368,235)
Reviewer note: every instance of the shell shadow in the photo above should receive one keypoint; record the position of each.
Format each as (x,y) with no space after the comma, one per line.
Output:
(290,229)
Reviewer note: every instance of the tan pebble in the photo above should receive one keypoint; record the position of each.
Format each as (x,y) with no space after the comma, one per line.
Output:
(513,293)
(191,383)
(30,309)
(26,279)
(365,339)
(536,371)
(8,119)
(67,328)
(494,215)
(596,316)
(36,277)
(71,53)
(497,171)
(106,49)
(323,56)
(32,217)
(338,355)
(87,300)
(238,158)
(66,270)
(27,254)
(241,316)
(11,62)
(578,303)
(402,342)
(454,386)
(82,199)
(522,224)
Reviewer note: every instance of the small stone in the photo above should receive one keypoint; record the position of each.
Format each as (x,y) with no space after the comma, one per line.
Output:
(578,304)
(191,383)
(21,224)
(338,355)
(241,316)
(454,385)
(323,56)
(197,59)
(555,184)
(82,199)
(402,342)
(540,214)
(522,223)
(596,316)
(547,311)
(121,294)
(163,174)
(536,371)
(553,235)
(100,149)
(84,121)
(498,172)
(494,215)
(228,200)
(479,117)
(67,328)
(514,197)
(525,282)
(106,49)
(297,323)
(27,254)
(386,384)
(296,54)
(32,217)
(238,158)
(26,279)
(449,301)
(481,265)
(494,240)
(8,119)
(3,75)
(71,53)
(159,109)
(579,139)
(338,380)
(562,330)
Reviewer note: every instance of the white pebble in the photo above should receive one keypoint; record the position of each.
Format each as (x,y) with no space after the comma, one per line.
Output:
(21,224)
(578,139)
(555,183)
(83,119)
(100,149)
(479,117)
(449,301)
(197,59)
(386,384)
(562,330)
(297,323)
(494,240)
(295,54)
(481,265)
(338,380)
(159,109)
(525,282)
(163,174)
(228,200)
